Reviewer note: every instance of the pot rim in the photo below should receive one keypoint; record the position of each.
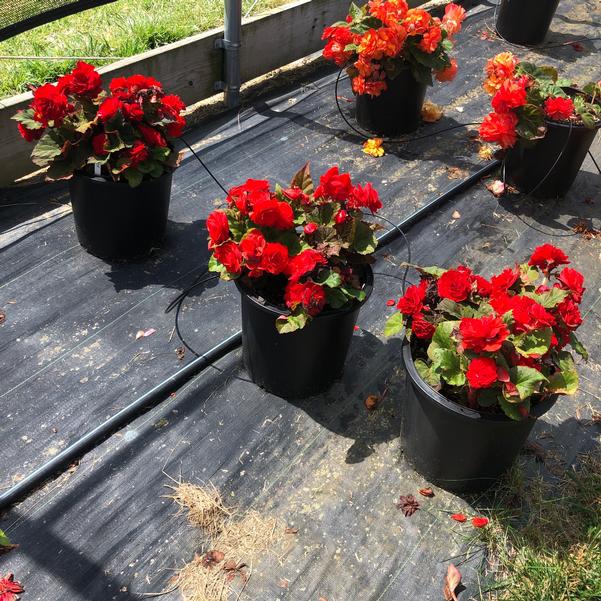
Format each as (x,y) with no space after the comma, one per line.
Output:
(537,410)
(578,126)
(273,310)
(100,179)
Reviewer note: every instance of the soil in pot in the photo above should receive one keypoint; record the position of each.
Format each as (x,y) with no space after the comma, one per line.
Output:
(548,167)
(115,221)
(302,363)
(395,111)
(459,449)
(525,22)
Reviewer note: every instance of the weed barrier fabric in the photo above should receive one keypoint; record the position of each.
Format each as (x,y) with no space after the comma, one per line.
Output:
(325,465)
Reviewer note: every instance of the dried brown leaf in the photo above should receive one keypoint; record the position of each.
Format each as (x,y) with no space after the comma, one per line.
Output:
(596,417)
(284,582)
(451,582)
(588,233)
(291,530)
(431,112)
(180,352)
(144,333)
(2,317)
(408,504)
(456,215)
(456,173)
(211,558)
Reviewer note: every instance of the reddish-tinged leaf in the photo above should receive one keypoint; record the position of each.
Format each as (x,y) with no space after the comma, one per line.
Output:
(10,588)
(426,492)
(302,179)
(480,522)
(408,504)
(577,46)
(144,333)
(372,402)
(212,558)
(451,581)
(459,517)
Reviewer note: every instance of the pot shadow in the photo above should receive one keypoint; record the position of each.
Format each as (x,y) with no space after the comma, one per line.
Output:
(580,206)
(370,370)
(182,258)
(558,45)
(19,204)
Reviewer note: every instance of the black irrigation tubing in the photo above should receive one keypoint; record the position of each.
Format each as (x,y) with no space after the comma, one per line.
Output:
(161,391)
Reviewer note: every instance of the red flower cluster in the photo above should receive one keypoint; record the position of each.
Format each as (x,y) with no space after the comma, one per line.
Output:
(296,236)
(402,31)
(82,115)
(506,335)
(512,87)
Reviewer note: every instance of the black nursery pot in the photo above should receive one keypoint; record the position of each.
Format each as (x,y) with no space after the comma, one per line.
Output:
(301,363)
(525,22)
(456,448)
(548,168)
(395,111)
(115,221)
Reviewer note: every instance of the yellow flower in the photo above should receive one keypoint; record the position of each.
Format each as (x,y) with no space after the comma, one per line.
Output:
(374,147)
(486,152)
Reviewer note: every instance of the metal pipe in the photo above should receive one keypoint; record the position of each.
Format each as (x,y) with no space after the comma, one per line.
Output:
(154,396)
(118,421)
(232,42)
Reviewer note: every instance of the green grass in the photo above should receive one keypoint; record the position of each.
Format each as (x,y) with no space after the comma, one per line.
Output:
(544,539)
(119,29)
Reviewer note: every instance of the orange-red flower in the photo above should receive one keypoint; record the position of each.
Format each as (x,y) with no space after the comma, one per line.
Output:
(559,109)
(389,12)
(417,21)
(449,73)
(511,94)
(431,39)
(498,69)
(500,128)
(453,17)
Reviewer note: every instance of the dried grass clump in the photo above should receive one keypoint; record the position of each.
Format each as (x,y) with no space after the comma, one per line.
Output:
(204,505)
(235,543)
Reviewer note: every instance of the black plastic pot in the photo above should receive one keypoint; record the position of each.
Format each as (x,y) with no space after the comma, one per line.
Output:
(301,363)
(548,168)
(115,221)
(456,448)
(395,111)
(525,22)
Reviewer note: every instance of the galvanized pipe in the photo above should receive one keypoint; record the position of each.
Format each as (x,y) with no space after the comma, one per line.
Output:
(232,42)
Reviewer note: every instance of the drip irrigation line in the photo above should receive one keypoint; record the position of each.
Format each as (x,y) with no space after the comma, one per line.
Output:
(204,165)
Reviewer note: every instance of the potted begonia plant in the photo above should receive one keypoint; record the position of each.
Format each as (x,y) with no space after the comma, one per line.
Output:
(484,359)
(116,149)
(547,124)
(300,257)
(525,21)
(390,52)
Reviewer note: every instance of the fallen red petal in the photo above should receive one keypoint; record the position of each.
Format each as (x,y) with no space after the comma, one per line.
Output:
(10,588)
(459,517)
(426,492)
(479,522)
(391,302)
